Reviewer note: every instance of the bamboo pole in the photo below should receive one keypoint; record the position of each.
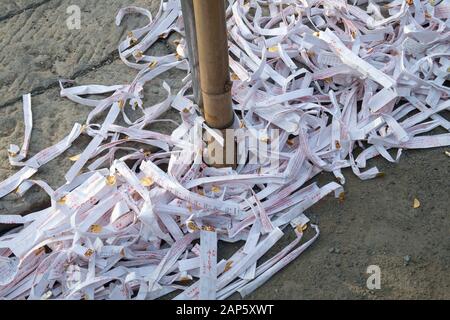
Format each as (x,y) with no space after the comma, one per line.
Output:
(215,84)
(187,7)
(212,48)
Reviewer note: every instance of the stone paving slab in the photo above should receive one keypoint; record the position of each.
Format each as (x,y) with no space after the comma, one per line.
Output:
(53,118)
(10,8)
(376,225)
(37,50)
(38,47)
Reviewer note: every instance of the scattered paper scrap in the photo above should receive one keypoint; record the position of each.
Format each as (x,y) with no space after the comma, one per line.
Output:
(328,75)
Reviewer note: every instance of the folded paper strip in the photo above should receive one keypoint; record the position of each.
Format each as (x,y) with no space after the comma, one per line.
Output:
(330,76)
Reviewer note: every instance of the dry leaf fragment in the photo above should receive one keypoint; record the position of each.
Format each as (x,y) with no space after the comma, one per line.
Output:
(111,180)
(147,182)
(88,253)
(184,280)
(341,197)
(416,203)
(139,54)
(62,201)
(75,158)
(208,228)
(95,228)
(39,251)
(133,42)
(228,266)
(301,228)
(191,225)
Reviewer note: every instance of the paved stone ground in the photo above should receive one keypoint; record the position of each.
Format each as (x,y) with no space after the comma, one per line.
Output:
(375,225)
(37,50)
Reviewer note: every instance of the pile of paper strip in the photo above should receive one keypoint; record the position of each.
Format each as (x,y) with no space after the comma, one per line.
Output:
(332,76)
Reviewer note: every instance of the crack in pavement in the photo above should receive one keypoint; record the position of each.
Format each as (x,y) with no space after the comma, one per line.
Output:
(110,58)
(19,11)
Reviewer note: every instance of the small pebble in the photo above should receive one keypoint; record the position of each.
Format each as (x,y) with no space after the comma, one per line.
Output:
(407,259)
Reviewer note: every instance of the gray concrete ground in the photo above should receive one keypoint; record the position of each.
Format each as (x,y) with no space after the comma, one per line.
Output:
(375,225)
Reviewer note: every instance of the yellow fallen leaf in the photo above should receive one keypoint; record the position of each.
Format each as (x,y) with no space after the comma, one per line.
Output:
(75,158)
(111,180)
(273,49)
(447,153)
(191,225)
(95,228)
(147,182)
(63,200)
(416,203)
(215,189)
(300,228)
(228,266)
(139,54)
(88,253)
(208,228)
